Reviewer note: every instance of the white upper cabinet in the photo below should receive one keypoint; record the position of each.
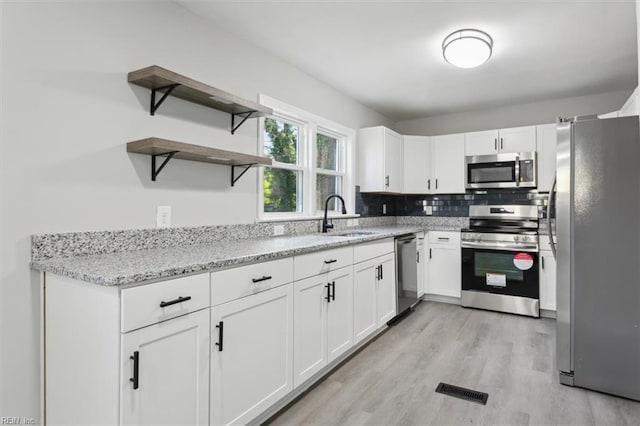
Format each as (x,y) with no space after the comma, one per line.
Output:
(418,165)
(547,140)
(515,139)
(448,164)
(379,160)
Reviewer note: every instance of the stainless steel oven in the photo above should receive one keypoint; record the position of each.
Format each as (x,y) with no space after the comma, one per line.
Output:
(512,170)
(500,260)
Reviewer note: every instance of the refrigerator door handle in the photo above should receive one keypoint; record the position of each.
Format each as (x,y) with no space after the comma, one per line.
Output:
(552,194)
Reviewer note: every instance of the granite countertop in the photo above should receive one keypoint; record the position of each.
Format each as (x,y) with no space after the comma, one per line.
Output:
(143,265)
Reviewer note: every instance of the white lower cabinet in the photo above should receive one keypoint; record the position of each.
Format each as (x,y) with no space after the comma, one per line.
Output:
(374,295)
(445,276)
(547,275)
(251,358)
(323,321)
(165,372)
(421,264)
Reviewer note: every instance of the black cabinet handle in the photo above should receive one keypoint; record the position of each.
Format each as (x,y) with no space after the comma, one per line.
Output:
(418,256)
(429,253)
(436,183)
(328,296)
(378,272)
(333,290)
(136,363)
(542,262)
(174,301)
(495,144)
(386,180)
(381,274)
(330,261)
(220,328)
(264,278)
(428,183)
(501,143)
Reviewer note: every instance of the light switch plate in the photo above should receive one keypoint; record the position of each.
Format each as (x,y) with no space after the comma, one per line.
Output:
(163,216)
(278,229)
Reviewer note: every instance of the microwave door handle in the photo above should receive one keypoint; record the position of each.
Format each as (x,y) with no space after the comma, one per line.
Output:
(517,171)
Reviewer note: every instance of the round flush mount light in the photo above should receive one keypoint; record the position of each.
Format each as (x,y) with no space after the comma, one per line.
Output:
(467,48)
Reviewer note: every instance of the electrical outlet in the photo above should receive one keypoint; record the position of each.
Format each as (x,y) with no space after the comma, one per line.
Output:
(428,210)
(163,216)
(278,229)
(384,209)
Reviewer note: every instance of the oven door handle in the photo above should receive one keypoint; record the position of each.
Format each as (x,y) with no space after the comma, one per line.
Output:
(533,248)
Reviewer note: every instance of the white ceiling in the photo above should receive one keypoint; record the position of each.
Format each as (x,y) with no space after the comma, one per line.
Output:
(387,54)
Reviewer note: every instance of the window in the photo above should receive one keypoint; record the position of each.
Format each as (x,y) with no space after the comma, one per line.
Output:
(312,159)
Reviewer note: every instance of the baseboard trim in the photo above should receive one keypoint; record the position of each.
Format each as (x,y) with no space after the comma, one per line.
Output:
(442,299)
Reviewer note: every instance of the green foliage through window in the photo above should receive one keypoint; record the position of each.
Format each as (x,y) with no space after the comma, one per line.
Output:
(280,185)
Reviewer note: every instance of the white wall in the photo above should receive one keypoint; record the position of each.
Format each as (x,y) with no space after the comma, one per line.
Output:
(67,113)
(514,115)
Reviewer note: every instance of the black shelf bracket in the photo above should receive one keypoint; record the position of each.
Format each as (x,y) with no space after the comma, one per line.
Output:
(244,116)
(154,171)
(235,178)
(167,91)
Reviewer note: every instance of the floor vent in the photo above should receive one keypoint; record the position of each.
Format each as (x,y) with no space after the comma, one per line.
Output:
(463,393)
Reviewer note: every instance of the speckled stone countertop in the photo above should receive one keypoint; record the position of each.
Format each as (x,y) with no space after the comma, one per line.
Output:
(130,267)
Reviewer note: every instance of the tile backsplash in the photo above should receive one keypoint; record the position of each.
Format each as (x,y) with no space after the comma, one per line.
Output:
(445,205)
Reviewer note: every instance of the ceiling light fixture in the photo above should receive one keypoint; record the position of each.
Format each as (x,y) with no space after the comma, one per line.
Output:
(467,48)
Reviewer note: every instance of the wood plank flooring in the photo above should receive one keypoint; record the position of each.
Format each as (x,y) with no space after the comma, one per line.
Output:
(512,358)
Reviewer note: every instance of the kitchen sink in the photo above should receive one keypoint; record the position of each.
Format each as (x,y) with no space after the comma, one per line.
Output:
(350,234)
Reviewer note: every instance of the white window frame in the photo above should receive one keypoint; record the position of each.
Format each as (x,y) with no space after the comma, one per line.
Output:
(310,125)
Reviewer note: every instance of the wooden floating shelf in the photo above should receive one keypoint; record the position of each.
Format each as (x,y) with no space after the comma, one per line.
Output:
(161,80)
(167,149)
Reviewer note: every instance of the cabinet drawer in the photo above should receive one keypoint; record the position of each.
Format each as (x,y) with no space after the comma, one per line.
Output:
(308,265)
(153,303)
(366,251)
(235,283)
(451,239)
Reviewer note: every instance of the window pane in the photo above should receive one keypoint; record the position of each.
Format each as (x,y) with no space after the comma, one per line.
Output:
(281,140)
(282,190)
(327,152)
(325,186)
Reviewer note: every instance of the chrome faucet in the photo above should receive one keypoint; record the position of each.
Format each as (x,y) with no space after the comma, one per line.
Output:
(325,222)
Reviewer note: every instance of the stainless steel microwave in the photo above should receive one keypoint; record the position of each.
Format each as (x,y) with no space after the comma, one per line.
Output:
(512,170)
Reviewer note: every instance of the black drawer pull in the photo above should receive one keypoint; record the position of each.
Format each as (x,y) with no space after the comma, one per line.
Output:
(328,296)
(136,360)
(333,290)
(266,277)
(220,328)
(381,275)
(330,261)
(174,301)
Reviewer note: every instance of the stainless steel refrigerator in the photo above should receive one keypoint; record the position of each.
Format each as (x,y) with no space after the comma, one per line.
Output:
(597,242)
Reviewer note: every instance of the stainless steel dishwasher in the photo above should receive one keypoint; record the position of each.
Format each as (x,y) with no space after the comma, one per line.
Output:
(407,276)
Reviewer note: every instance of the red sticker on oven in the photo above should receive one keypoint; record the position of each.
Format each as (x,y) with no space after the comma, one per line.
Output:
(523,261)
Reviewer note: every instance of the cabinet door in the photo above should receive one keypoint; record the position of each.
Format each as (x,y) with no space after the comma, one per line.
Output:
(547,281)
(309,327)
(481,143)
(449,164)
(393,160)
(386,292)
(547,139)
(340,313)
(417,165)
(364,298)
(172,363)
(253,369)
(518,139)
(421,268)
(444,270)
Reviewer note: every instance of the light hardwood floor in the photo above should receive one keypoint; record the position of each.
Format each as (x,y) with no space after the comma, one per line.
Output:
(512,358)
